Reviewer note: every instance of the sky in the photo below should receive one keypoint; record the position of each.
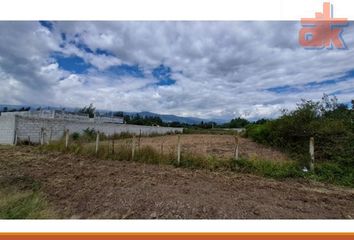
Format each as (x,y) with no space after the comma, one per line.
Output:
(198,69)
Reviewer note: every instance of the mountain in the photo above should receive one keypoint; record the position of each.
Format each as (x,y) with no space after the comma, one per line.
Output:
(164,117)
(174,118)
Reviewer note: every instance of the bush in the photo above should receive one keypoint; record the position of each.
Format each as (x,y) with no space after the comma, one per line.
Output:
(267,168)
(331,125)
(148,154)
(75,136)
(259,133)
(334,173)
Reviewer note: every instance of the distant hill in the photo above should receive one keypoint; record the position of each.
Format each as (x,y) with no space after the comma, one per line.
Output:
(174,118)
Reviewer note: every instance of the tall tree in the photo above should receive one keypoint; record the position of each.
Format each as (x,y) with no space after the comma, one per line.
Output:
(90,110)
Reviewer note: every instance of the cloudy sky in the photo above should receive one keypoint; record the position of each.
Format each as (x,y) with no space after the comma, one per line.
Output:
(200,69)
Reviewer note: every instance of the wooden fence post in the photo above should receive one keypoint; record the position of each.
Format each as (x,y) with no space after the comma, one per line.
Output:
(50,135)
(97,140)
(15,137)
(312,154)
(42,136)
(66,138)
(139,140)
(161,150)
(133,147)
(179,150)
(236,148)
(113,146)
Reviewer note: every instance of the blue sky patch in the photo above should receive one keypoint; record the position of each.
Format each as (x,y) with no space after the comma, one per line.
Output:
(298,88)
(47,24)
(127,70)
(284,89)
(72,64)
(103,52)
(163,74)
(83,47)
(63,36)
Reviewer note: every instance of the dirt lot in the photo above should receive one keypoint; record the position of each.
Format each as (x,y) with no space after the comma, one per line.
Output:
(221,146)
(77,187)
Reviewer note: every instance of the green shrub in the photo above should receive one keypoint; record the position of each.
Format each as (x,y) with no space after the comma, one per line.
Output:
(89,134)
(148,154)
(277,170)
(122,135)
(334,173)
(259,133)
(330,123)
(75,136)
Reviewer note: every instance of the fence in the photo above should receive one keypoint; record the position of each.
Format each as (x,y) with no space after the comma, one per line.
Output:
(178,145)
(131,147)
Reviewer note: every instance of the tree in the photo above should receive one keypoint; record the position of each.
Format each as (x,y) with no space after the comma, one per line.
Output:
(118,114)
(329,104)
(238,123)
(90,110)
(261,121)
(127,119)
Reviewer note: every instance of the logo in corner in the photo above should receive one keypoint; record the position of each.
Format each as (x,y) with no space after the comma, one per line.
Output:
(323,31)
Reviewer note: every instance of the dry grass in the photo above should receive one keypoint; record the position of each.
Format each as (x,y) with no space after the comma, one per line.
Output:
(207,145)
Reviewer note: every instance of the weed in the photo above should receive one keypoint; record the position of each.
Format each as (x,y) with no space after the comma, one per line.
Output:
(21,199)
(277,170)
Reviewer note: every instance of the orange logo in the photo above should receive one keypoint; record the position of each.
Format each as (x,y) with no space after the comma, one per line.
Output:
(323,30)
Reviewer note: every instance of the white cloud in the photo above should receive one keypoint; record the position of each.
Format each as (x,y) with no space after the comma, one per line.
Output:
(221,68)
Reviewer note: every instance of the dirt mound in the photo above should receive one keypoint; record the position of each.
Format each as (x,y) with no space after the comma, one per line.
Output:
(80,187)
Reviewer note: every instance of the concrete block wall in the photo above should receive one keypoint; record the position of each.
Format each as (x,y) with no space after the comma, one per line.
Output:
(111,128)
(108,119)
(38,114)
(7,129)
(31,128)
(80,117)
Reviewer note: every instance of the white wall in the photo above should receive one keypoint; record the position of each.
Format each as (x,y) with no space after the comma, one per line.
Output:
(7,129)
(28,127)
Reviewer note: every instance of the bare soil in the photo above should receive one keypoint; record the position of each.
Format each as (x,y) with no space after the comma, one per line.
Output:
(78,187)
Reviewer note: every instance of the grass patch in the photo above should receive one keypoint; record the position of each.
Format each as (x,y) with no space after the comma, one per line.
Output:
(334,173)
(217,131)
(276,170)
(195,161)
(324,172)
(21,199)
